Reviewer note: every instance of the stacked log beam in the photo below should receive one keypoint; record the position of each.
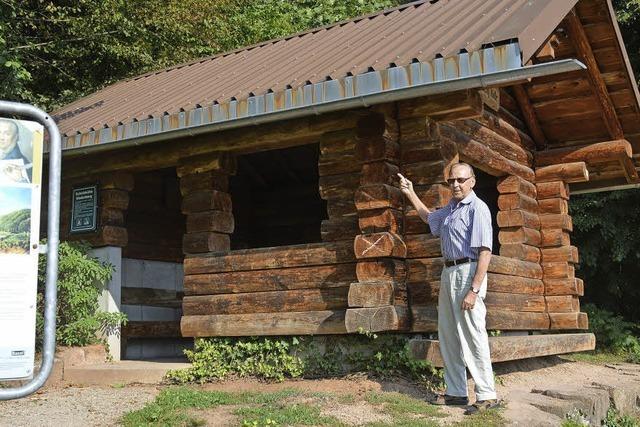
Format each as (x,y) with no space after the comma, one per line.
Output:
(206,202)
(558,258)
(339,178)
(114,195)
(378,300)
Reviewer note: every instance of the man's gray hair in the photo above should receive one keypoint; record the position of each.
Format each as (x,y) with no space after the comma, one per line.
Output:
(462,164)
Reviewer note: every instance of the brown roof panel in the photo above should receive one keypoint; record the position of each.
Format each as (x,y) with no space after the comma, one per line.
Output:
(422,30)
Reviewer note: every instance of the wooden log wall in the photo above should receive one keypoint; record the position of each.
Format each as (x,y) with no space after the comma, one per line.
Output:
(206,202)
(561,288)
(378,299)
(155,225)
(113,201)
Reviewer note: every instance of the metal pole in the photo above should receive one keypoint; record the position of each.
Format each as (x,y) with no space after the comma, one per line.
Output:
(53,239)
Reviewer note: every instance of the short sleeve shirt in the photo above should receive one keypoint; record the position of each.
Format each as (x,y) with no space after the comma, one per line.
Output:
(463,227)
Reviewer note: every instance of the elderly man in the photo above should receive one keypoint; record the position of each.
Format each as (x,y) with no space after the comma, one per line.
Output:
(13,164)
(466,237)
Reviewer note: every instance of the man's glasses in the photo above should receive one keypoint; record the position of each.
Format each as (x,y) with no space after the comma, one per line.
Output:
(460,180)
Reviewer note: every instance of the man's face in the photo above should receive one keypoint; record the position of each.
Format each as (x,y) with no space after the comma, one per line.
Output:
(8,135)
(461,182)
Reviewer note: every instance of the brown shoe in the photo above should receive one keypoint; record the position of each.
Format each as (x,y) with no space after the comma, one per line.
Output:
(445,399)
(482,406)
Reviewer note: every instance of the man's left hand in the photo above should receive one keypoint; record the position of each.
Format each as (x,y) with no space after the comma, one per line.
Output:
(469,300)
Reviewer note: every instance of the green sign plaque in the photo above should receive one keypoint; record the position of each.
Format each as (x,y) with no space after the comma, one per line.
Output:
(84,209)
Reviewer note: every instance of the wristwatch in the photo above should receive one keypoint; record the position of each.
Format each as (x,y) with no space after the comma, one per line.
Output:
(475,291)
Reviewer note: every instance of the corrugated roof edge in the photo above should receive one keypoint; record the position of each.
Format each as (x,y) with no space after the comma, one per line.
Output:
(484,61)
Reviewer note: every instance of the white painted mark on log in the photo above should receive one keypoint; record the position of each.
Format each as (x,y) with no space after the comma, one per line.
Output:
(373,245)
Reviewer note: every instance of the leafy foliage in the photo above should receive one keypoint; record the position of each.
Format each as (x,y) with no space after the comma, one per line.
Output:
(16,222)
(607,233)
(80,282)
(614,334)
(52,52)
(278,358)
(628,14)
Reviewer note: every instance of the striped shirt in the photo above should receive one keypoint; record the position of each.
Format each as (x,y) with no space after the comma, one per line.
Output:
(463,227)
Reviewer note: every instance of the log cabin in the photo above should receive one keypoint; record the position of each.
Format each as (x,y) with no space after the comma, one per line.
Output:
(255,192)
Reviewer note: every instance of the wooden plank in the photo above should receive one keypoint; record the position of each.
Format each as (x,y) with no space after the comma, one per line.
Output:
(341,228)
(592,153)
(517,201)
(557,207)
(422,246)
(514,284)
(381,172)
(530,116)
(219,162)
(520,251)
(424,270)
(336,143)
(562,304)
(425,173)
(552,190)
(114,199)
(423,293)
(524,235)
(150,296)
(629,168)
(345,163)
(322,276)
(339,186)
(567,286)
(197,243)
(340,208)
(377,148)
(155,329)
(275,257)
(561,254)
(377,294)
(451,106)
(585,54)
(202,201)
(515,184)
(378,245)
(218,221)
(375,221)
(378,196)
(554,237)
(506,129)
(495,141)
(568,172)
(558,270)
(265,302)
(514,267)
(117,180)
(417,129)
(507,348)
(518,218)
(260,324)
(568,321)
(377,319)
(211,180)
(483,157)
(425,319)
(514,302)
(385,269)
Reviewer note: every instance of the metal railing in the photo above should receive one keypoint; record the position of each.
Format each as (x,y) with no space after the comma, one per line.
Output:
(53,239)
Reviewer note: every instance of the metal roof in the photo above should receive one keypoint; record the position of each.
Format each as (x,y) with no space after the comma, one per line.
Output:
(417,43)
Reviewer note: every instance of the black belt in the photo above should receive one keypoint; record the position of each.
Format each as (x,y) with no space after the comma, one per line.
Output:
(452,262)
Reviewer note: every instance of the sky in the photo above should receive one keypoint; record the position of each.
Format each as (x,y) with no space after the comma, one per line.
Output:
(14,198)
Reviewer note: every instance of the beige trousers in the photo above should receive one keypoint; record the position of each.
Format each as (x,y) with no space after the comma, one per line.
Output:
(463,334)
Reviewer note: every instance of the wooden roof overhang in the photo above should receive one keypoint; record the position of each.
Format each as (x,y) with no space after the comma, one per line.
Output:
(591,115)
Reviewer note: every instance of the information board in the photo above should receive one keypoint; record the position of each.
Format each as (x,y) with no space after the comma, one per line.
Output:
(21,145)
(84,209)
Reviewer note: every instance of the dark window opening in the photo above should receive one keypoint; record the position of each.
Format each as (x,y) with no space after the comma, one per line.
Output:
(486,188)
(275,198)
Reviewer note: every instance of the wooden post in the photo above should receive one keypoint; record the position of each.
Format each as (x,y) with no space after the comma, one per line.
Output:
(206,202)
(378,301)
(558,258)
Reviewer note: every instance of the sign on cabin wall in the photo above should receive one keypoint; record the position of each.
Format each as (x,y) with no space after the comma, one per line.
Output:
(84,209)
(20,184)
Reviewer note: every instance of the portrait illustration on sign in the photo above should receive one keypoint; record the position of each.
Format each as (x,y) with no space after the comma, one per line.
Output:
(20,144)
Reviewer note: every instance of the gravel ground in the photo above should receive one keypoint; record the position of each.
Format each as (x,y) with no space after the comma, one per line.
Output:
(75,406)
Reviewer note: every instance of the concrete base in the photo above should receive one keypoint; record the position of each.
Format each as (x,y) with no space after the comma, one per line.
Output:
(122,372)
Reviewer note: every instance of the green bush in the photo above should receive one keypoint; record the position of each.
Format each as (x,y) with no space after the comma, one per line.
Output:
(613,333)
(276,358)
(81,279)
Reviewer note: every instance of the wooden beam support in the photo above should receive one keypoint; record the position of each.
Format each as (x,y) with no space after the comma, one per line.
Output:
(585,54)
(530,117)
(512,348)
(592,153)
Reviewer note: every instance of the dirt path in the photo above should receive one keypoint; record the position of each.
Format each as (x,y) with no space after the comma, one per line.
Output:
(91,406)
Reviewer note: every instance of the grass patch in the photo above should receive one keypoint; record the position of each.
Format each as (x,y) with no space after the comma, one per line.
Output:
(397,404)
(283,414)
(490,418)
(169,407)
